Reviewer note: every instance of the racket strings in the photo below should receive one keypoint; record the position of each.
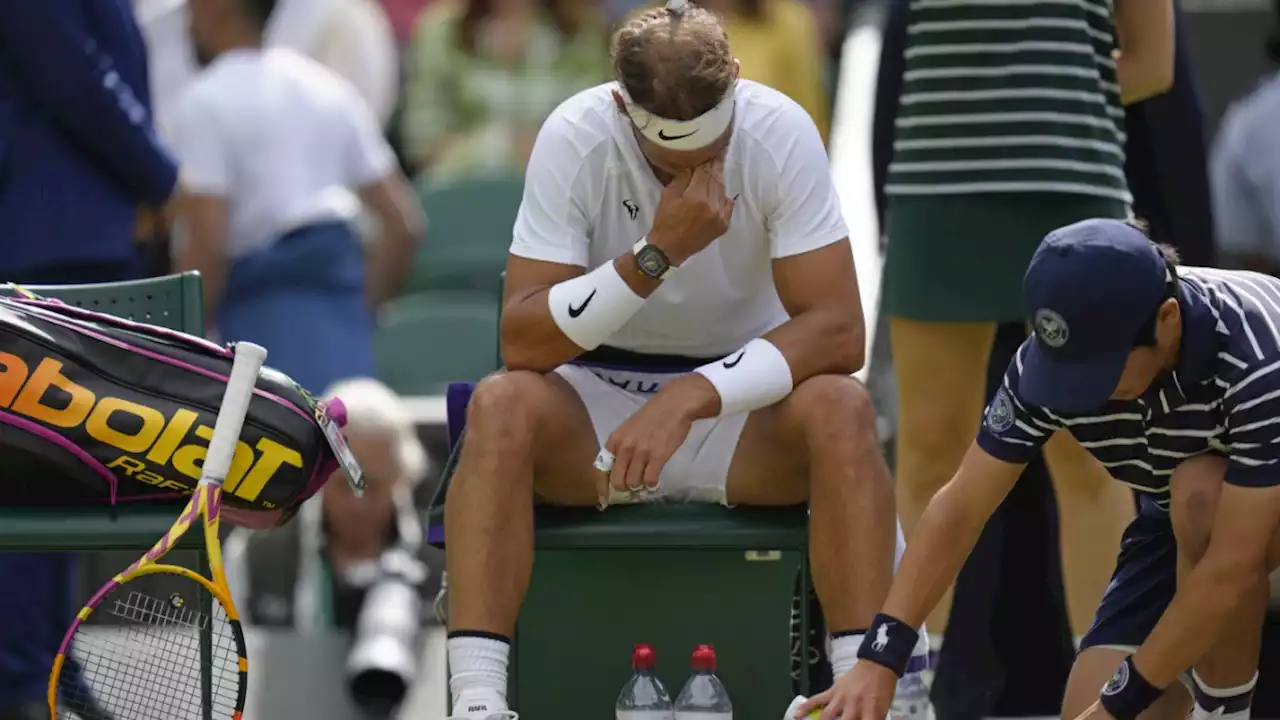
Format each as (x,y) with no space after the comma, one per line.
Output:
(152,668)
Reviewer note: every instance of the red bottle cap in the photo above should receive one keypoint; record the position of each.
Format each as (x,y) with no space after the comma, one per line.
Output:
(704,659)
(643,657)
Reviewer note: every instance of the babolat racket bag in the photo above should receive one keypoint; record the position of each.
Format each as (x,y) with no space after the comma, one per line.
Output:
(96,410)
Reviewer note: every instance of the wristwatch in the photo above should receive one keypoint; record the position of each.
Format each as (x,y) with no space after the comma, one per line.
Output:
(651,260)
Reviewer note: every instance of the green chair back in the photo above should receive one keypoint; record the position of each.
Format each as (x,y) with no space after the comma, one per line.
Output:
(173,301)
(468,235)
(428,340)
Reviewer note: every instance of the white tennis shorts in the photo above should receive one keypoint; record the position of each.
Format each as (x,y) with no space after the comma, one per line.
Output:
(700,467)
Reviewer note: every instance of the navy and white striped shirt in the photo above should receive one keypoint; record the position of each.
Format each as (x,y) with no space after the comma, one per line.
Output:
(1223,396)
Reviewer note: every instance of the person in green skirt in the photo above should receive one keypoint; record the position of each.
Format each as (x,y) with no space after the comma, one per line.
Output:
(1011,124)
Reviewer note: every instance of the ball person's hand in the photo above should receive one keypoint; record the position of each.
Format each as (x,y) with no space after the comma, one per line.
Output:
(863,693)
(692,212)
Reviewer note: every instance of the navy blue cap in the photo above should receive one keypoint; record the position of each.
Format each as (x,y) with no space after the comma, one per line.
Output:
(1089,290)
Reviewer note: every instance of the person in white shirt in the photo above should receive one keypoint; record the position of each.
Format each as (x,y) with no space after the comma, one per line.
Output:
(681,323)
(354,38)
(278,152)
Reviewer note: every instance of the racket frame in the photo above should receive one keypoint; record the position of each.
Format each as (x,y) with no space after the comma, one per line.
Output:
(205,504)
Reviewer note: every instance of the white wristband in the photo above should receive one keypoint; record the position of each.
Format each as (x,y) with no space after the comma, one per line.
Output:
(754,377)
(590,308)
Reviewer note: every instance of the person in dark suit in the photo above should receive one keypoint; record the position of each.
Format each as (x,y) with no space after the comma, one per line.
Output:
(79,157)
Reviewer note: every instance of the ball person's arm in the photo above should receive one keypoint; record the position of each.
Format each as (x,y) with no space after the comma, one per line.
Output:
(947,532)
(1145,37)
(1247,519)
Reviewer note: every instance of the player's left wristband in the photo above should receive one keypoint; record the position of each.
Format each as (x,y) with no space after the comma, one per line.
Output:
(1127,693)
(889,642)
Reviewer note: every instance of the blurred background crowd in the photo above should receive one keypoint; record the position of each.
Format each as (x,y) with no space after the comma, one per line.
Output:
(352,212)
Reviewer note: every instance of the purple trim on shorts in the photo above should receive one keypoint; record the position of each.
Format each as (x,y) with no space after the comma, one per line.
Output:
(177,363)
(48,435)
(917,663)
(435,535)
(654,370)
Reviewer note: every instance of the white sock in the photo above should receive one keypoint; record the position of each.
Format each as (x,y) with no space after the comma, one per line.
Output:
(1232,703)
(843,652)
(478,672)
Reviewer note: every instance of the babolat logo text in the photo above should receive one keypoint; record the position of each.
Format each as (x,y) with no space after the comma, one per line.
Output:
(154,447)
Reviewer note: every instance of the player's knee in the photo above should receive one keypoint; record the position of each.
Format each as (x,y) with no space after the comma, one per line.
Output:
(504,408)
(835,411)
(1194,490)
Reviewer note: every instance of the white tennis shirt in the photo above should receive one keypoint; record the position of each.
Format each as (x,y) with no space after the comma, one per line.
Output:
(590,195)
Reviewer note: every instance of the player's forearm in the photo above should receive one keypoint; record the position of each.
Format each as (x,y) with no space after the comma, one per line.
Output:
(822,341)
(533,339)
(1193,620)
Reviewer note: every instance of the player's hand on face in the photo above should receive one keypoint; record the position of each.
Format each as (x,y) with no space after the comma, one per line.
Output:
(692,212)
(863,693)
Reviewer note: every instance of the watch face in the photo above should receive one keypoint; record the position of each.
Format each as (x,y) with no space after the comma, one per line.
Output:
(652,261)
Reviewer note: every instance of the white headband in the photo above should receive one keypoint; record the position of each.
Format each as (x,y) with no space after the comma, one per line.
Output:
(682,134)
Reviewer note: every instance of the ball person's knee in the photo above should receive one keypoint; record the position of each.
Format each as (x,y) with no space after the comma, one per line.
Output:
(834,411)
(1194,490)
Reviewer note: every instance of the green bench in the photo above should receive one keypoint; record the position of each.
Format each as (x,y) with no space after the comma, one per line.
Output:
(671,575)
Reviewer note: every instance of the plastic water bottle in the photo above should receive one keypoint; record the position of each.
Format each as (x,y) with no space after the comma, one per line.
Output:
(704,696)
(643,697)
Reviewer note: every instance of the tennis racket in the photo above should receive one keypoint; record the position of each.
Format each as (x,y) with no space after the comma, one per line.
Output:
(152,664)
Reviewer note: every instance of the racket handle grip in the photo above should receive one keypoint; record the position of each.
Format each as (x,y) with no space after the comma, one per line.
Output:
(246,365)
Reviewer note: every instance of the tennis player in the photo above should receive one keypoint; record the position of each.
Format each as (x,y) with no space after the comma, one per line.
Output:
(1170,376)
(681,294)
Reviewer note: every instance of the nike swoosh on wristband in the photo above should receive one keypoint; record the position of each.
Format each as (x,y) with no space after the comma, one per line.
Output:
(662,135)
(730,365)
(576,311)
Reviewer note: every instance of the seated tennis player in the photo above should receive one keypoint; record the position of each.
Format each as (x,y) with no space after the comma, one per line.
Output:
(680,324)
(1170,376)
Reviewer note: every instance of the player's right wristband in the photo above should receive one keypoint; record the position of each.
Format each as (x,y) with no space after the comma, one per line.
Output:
(591,307)
(1127,694)
(889,642)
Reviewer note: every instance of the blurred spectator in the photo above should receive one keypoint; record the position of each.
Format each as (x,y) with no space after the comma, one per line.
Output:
(272,145)
(79,157)
(351,37)
(484,74)
(1245,175)
(403,14)
(779,44)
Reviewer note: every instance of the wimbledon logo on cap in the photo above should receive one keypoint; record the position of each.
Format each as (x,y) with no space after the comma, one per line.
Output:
(1051,328)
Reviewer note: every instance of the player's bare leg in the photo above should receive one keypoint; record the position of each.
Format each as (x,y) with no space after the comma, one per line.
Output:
(820,445)
(520,425)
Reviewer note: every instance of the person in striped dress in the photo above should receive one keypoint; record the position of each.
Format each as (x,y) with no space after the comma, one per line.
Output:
(1010,125)
(1170,377)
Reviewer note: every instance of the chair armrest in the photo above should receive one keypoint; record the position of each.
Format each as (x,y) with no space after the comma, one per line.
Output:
(85,529)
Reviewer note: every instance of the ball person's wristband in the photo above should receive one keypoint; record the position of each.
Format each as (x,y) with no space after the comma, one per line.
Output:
(889,642)
(1127,694)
